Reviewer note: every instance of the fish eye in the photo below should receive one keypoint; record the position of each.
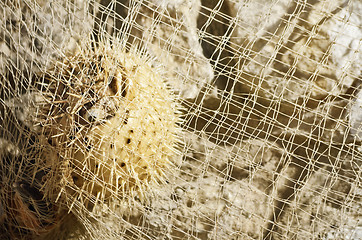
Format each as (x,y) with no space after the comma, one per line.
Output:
(94,114)
(84,113)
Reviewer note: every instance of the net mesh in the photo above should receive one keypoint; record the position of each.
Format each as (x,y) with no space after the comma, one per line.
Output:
(187,119)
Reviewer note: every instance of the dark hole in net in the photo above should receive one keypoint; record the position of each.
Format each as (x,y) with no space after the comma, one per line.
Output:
(75,178)
(113,85)
(91,118)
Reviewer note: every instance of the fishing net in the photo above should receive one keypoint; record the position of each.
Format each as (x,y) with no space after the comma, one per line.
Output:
(185,119)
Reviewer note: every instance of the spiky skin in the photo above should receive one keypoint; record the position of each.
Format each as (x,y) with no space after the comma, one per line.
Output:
(112,121)
(103,131)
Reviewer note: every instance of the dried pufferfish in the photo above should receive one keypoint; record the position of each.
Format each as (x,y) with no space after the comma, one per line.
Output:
(107,129)
(113,123)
